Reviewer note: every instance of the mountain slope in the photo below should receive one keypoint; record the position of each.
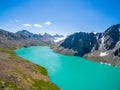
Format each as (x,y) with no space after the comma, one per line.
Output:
(24,38)
(101,47)
(17,73)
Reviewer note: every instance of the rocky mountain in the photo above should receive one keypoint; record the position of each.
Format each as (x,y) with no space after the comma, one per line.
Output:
(24,34)
(24,38)
(47,35)
(101,47)
(81,42)
(57,35)
(52,38)
(110,37)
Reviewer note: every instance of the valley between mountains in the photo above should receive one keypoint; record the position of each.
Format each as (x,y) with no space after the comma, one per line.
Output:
(19,74)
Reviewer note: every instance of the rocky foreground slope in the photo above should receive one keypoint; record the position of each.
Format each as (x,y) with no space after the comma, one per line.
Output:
(19,74)
(100,47)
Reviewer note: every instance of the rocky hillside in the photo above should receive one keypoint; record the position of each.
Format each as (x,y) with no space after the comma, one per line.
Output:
(19,74)
(101,47)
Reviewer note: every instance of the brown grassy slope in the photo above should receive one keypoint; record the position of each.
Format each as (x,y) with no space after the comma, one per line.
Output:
(19,74)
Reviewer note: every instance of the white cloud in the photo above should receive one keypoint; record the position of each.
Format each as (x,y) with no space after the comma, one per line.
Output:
(27,25)
(34,25)
(38,25)
(48,23)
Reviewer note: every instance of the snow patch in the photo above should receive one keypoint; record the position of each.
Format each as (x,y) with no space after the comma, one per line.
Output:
(57,39)
(102,43)
(101,63)
(102,40)
(95,32)
(109,64)
(102,54)
(93,49)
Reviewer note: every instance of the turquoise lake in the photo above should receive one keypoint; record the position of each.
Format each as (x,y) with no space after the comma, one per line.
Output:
(73,73)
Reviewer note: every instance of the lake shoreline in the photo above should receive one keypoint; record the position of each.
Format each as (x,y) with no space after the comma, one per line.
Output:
(59,69)
(15,72)
(70,52)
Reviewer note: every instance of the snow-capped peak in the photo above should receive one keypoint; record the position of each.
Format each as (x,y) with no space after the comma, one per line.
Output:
(95,32)
(57,39)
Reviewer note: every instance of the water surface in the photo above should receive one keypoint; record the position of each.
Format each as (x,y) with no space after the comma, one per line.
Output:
(73,73)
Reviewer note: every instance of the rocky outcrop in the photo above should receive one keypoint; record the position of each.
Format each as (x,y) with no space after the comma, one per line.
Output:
(117,52)
(100,47)
(111,36)
(82,42)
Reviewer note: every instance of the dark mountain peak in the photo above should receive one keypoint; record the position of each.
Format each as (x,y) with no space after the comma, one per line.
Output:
(111,36)
(112,29)
(46,34)
(57,35)
(24,32)
(114,26)
(84,43)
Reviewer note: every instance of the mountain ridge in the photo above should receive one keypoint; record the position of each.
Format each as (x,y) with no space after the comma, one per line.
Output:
(24,38)
(100,47)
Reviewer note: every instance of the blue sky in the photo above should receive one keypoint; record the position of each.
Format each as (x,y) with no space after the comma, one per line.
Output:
(59,16)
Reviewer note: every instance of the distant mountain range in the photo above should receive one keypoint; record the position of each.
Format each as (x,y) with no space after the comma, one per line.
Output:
(101,47)
(25,38)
